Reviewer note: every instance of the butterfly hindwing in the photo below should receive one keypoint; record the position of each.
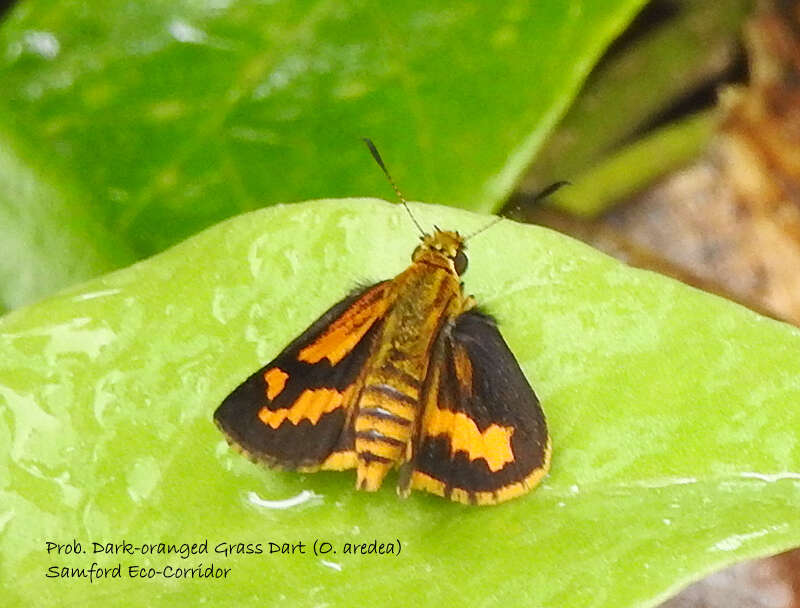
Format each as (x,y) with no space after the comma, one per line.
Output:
(482,437)
(296,412)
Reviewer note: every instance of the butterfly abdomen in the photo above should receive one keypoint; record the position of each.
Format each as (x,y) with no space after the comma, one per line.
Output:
(384,426)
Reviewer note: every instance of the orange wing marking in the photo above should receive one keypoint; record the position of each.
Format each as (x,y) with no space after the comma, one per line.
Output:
(339,461)
(311,405)
(345,332)
(493,444)
(276,381)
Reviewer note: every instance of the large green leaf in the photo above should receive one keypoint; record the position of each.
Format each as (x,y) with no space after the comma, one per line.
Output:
(673,415)
(164,117)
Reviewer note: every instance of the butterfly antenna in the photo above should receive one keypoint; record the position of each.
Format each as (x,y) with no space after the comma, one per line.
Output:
(376,155)
(548,190)
(544,193)
(486,227)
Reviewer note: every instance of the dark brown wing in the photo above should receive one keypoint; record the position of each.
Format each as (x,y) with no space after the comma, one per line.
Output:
(295,412)
(483,437)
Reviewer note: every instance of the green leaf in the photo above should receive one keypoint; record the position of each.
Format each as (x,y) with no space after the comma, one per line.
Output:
(47,237)
(165,117)
(673,416)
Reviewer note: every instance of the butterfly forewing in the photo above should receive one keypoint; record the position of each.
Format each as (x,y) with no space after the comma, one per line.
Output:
(295,412)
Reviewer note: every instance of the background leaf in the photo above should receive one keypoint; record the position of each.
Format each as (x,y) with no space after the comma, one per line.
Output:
(152,120)
(677,53)
(672,414)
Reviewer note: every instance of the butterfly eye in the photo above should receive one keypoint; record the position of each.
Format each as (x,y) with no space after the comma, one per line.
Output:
(460,262)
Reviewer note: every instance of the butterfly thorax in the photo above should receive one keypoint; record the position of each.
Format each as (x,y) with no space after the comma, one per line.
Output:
(426,296)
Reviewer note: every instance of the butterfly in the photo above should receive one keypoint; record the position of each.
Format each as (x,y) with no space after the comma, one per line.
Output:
(407,373)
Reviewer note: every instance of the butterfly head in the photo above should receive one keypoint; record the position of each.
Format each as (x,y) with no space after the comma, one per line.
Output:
(443,248)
